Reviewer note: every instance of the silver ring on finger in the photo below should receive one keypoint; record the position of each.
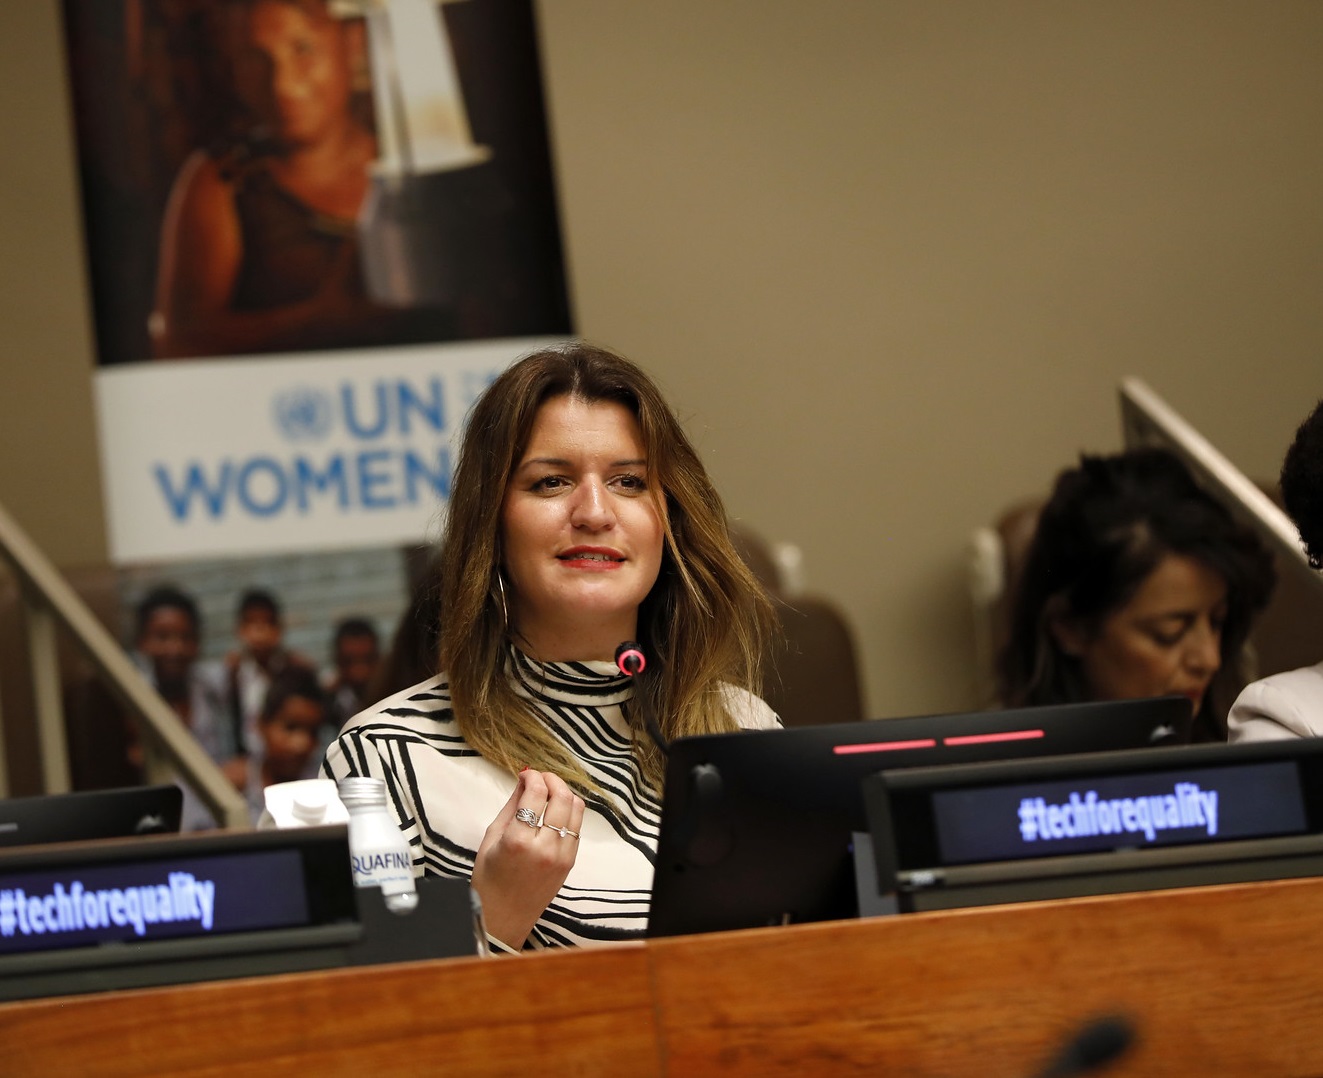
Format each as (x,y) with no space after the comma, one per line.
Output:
(528,816)
(564,832)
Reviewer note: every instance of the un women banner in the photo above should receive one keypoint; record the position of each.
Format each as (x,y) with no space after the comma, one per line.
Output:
(315,229)
(345,451)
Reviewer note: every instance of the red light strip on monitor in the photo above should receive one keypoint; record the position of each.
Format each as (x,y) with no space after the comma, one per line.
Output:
(988,739)
(884,746)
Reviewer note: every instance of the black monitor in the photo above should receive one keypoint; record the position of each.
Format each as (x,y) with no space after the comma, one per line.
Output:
(168,909)
(757,827)
(89,814)
(1021,830)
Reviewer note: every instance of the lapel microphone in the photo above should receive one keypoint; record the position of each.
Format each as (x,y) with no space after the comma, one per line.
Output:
(630,658)
(632,662)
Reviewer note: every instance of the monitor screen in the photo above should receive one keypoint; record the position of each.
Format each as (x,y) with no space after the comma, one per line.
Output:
(1103,812)
(1018,830)
(80,916)
(171,909)
(90,814)
(140,900)
(757,827)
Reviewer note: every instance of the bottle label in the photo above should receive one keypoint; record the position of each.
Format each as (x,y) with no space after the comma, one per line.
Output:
(391,870)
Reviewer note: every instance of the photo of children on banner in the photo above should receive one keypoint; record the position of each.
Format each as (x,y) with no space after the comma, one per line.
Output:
(321,173)
(289,727)
(166,643)
(248,672)
(262,713)
(356,654)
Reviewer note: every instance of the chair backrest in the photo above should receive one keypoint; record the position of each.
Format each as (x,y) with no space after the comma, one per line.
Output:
(812,675)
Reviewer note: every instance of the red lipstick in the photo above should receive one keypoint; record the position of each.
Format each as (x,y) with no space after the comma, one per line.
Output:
(597,558)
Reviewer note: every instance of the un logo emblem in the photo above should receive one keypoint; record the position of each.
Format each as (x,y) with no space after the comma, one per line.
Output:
(302,414)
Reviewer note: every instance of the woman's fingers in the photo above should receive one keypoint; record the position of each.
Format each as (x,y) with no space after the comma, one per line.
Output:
(526,854)
(542,805)
(520,800)
(541,801)
(532,801)
(535,794)
(510,807)
(564,812)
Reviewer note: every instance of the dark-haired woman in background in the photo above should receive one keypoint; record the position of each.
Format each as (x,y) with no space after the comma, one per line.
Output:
(1137,584)
(580,517)
(1290,704)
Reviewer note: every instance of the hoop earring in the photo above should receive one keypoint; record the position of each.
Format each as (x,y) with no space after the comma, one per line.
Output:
(505,609)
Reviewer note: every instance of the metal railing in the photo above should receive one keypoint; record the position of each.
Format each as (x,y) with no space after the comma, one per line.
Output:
(171,750)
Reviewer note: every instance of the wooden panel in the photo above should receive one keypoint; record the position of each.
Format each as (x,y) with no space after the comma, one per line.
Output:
(566,1014)
(1221,980)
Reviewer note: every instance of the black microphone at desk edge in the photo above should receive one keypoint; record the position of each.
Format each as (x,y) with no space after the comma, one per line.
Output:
(1092,1046)
(632,662)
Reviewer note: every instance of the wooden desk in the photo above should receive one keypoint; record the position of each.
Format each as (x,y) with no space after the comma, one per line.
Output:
(1219,980)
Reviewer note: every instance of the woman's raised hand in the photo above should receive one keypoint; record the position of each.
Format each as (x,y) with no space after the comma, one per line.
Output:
(526,854)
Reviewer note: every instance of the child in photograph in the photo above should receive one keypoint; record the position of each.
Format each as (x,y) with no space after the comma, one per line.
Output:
(248,673)
(166,639)
(289,725)
(356,650)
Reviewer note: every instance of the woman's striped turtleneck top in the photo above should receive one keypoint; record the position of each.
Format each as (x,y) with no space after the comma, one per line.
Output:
(444,794)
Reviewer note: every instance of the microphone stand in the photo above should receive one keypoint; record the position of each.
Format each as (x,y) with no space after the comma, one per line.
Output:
(632,662)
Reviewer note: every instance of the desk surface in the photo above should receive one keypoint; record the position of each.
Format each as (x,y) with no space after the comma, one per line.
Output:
(1218,980)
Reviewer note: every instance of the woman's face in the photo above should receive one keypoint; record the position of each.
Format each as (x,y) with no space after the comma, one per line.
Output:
(581,532)
(1167,640)
(307,61)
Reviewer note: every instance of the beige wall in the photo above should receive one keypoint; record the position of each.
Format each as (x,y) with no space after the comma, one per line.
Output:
(889,260)
(49,475)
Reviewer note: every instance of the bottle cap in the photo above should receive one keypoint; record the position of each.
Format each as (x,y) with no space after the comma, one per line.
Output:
(309,806)
(301,803)
(359,792)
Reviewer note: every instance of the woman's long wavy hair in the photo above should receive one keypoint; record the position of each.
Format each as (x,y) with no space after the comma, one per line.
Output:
(1106,527)
(704,624)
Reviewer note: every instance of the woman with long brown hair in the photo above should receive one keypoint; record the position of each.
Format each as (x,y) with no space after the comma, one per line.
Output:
(580,518)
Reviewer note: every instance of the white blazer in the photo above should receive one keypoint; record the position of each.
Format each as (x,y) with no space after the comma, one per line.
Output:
(1285,705)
